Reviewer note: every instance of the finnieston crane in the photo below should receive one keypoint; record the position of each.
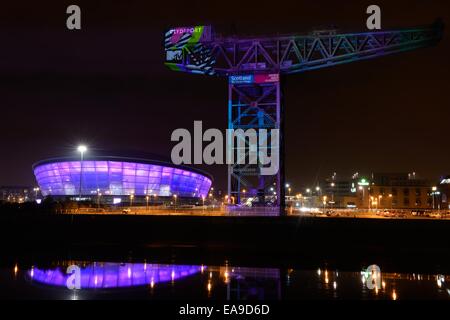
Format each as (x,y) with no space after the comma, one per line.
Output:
(253,67)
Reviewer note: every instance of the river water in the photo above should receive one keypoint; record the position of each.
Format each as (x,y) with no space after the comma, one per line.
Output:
(78,280)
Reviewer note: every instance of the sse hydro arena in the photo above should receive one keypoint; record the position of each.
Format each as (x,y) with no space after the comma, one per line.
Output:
(116,178)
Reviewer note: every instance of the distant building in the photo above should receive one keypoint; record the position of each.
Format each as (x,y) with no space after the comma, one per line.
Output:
(442,192)
(339,193)
(379,191)
(113,179)
(17,194)
(396,191)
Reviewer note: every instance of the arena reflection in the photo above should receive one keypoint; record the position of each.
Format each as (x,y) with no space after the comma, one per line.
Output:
(114,275)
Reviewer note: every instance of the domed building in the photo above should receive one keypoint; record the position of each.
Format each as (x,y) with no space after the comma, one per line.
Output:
(118,176)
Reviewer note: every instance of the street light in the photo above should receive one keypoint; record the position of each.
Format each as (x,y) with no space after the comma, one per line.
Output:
(319,192)
(146,198)
(434,188)
(390,196)
(81,149)
(362,189)
(36,190)
(332,194)
(131,199)
(98,198)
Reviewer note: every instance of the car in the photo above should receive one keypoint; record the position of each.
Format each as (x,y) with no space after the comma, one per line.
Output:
(418,213)
(435,215)
(329,213)
(126,210)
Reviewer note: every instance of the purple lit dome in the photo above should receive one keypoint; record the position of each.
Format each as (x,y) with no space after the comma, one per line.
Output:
(119,176)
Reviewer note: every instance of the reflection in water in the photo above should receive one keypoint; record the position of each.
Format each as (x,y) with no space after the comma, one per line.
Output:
(412,285)
(230,282)
(115,275)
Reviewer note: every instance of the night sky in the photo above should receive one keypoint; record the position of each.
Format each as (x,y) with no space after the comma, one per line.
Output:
(106,86)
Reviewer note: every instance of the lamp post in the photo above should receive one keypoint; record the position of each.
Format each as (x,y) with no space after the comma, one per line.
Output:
(81,149)
(288,187)
(131,200)
(390,197)
(332,193)
(146,199)
(319,194)
(438,202)
(98,198)
(433,193)
(362,189)
(36,190)
(308,192)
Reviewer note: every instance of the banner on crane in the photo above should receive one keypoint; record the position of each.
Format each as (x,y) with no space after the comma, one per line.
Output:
(183,36)
(254,78)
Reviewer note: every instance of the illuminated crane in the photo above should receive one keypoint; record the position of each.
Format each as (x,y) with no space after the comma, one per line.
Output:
(253,67)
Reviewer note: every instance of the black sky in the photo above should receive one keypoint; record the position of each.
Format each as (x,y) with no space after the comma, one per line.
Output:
(106,85)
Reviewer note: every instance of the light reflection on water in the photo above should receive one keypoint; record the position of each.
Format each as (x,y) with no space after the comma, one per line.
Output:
(114,275)
(176,281)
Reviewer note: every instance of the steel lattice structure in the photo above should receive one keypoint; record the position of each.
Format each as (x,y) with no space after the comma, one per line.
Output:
(253,67)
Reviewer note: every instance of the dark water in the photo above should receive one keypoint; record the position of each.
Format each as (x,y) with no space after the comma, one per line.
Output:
(146,280)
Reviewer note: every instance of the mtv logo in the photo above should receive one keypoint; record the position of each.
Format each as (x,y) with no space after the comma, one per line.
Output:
(174,56)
